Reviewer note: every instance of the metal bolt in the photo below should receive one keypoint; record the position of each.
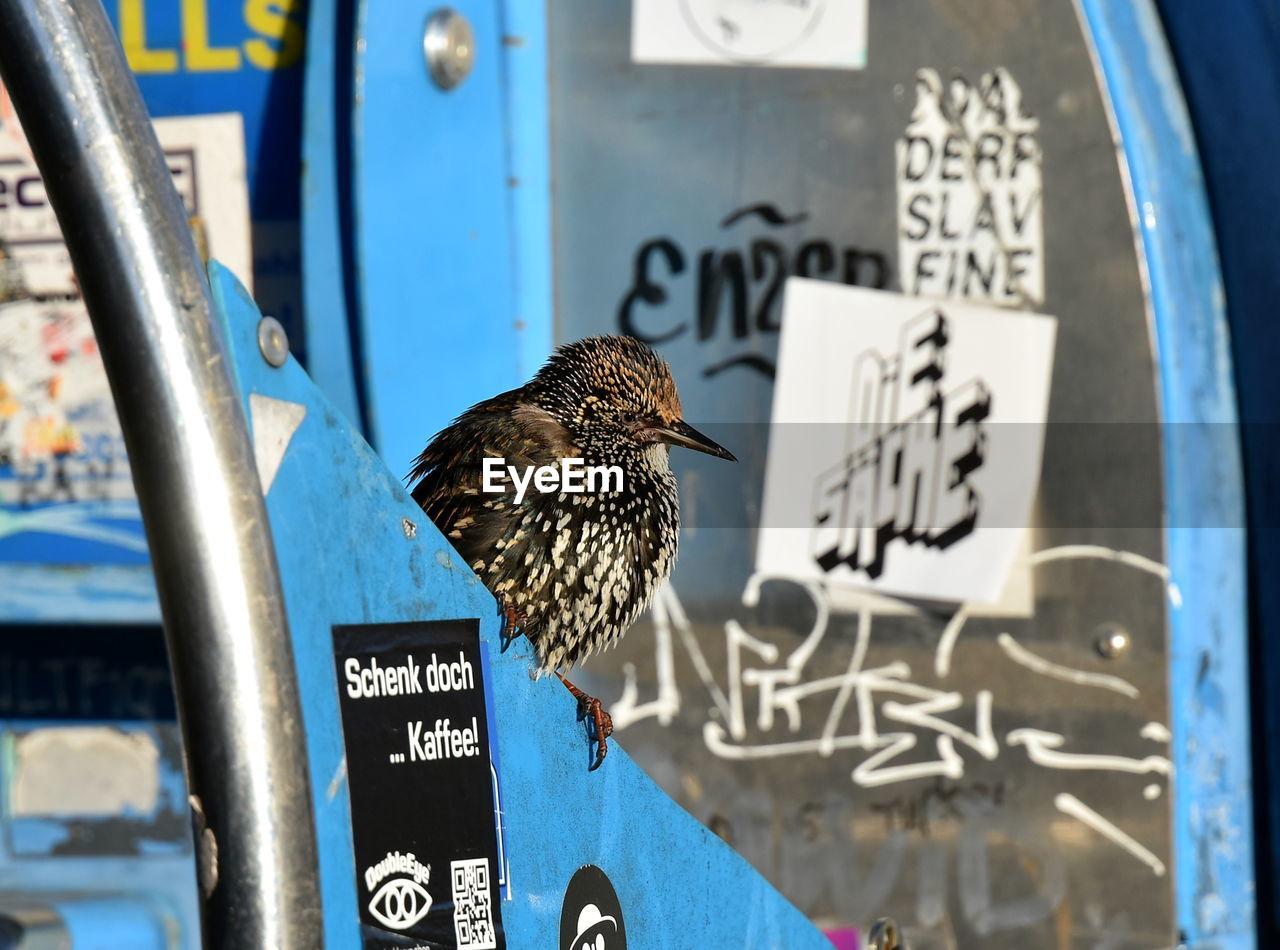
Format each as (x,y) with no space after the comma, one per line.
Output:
(449,46)
(1112,641)
(273,341)
(206,848)
(410,529)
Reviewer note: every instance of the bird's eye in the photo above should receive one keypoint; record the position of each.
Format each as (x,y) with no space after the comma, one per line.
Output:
(628,418)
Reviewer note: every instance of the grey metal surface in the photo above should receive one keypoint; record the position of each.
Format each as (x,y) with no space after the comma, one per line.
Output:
(646,153)
(192,464)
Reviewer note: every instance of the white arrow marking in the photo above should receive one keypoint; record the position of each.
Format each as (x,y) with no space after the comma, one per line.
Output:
(274,422)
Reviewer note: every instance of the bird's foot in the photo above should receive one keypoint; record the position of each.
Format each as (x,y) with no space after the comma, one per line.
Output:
(512,625)
(601,723)
(601,728)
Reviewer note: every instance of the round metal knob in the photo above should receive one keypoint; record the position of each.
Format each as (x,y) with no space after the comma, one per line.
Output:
(449,46)
(273,341)
(1112,641)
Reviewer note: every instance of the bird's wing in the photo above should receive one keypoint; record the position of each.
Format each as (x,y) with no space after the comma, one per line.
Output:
(449,472)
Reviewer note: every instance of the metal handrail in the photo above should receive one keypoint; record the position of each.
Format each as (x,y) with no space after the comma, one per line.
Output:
(192,463)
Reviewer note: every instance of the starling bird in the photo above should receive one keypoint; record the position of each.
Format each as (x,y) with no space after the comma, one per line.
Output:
(571,571)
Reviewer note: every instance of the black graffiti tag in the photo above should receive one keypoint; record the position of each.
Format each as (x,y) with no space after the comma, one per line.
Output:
(737,292)
(904,476)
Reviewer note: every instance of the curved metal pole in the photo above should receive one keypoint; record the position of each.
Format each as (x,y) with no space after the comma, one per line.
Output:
(192,465)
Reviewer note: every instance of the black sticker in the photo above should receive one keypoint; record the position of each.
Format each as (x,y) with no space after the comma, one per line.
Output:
(591,918)
(420,781)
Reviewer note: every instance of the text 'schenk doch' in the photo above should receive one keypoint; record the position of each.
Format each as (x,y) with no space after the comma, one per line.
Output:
(909,453)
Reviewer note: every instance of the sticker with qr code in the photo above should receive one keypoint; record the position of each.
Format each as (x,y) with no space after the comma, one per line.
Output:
(472,905)
(421,784)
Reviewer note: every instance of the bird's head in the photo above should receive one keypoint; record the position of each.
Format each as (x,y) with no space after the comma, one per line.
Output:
(616,397)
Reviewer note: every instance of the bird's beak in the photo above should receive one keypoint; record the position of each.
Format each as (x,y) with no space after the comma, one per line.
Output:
(681,433)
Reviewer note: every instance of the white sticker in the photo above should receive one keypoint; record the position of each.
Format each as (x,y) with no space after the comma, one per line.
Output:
(905,443)
(816,34)
(970,222)
(207,160)
(100,771)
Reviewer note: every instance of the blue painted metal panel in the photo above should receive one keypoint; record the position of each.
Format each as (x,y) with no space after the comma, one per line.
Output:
(345,557)
(111,925)
(169,882)
(525,53)
(328,310)
(434,239)
(1229,64)
(1208,681)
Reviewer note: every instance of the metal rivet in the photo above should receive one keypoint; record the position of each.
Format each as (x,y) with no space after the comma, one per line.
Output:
(449,46)
(410,529)
(884,935)
(206,848)
(273,341)
(1112,641)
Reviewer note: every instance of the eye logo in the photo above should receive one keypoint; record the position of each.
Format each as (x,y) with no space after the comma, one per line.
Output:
(400,903)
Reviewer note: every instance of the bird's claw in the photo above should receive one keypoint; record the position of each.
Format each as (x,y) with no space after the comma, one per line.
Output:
(512,626)
(601,723)
(600,728)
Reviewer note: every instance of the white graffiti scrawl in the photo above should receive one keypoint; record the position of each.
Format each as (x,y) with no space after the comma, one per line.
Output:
(892,727)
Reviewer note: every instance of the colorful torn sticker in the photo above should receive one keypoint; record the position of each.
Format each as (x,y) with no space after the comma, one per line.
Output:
(906,441)
(970,208)
(813,34)
(59,436)
(66,494)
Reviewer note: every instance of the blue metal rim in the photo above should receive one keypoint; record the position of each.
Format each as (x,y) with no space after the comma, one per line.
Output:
(1208,682)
